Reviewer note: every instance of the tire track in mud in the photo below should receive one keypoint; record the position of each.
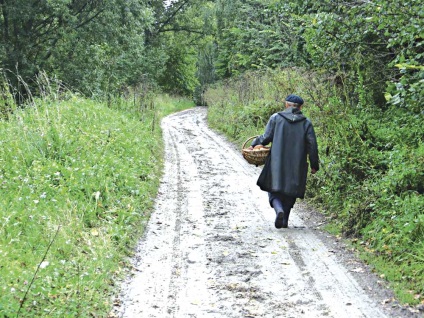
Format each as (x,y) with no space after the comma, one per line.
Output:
(172,305)
(211,249)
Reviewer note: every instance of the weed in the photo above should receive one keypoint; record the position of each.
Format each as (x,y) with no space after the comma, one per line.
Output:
(91,170)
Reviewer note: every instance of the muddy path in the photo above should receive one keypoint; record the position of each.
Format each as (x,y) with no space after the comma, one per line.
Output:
(211,248)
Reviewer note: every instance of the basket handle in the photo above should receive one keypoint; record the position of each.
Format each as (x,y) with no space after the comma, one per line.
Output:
(251,138)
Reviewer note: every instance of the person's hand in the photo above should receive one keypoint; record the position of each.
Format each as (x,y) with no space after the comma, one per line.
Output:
(313,171)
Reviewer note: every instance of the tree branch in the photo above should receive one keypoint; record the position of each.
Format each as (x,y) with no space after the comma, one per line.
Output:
(89,19)
(182,29)
(173,14)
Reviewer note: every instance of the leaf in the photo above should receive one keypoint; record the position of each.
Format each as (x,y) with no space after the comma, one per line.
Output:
(409,66)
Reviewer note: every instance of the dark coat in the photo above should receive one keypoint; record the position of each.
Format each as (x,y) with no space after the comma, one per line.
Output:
(293,140)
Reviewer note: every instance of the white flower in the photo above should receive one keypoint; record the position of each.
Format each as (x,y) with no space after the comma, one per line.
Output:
(44,264)
(96,195)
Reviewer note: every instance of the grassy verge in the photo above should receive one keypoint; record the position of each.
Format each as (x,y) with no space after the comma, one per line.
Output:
(77,182)
(371,182)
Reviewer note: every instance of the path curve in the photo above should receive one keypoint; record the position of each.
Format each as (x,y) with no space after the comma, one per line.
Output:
(211,249)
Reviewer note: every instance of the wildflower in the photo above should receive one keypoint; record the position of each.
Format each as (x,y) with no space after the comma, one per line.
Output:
(44,264)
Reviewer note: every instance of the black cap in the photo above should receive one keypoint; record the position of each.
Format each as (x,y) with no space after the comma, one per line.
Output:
(294,99)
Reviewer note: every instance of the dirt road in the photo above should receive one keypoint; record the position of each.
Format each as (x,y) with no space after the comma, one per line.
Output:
(211,248)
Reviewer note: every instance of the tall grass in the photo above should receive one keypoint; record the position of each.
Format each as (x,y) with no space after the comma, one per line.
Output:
(77,181)
(371,182)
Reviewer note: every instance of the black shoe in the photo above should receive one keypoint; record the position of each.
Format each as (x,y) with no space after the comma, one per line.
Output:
(279,223)
(285,220)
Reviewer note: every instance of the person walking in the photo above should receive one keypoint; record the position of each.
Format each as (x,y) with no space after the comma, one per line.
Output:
(285,171)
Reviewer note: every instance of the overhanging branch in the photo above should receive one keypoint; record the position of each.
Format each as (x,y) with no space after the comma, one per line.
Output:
(182,29)
(173,14)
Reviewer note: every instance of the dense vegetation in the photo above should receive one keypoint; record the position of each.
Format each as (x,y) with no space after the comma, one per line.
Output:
(358,64)
(77,182)
(100,47)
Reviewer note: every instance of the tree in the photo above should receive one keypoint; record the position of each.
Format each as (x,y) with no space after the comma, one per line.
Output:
(90,44)
(257,34)
(185,29)
(368,47)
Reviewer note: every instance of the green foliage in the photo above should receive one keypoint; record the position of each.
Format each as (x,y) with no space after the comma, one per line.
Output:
(88,171)
(101,47)
(92,46)
(7,103)
(372,49)
(372,163)
(205,68)
(255,35)
(366,40)
(179,76)
(185,31)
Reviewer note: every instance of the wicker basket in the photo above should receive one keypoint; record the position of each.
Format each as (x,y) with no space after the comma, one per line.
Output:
(255,157)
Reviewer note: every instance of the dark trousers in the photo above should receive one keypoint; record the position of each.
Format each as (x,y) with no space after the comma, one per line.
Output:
(279,200)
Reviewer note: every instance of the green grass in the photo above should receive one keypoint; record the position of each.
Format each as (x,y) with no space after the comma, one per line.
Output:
(77,183)
(402,277)
(332,228)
